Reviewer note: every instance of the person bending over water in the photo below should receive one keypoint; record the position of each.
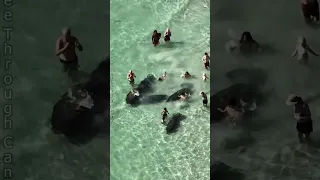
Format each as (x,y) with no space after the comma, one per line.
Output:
(310,10)
(167,35)
(204,77)
(66,50)
(184,96)
(204,98)
(164,114)
(302,51)
(186,75)
(247,43)
(131,77)
(234,112)
(163,77)
(205,60)
(302,115)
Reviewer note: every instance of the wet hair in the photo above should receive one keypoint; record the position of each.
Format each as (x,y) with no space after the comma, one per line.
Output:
(248,36)
(66,30)
(187,73)
(233,102)
(297,100)
(155,31)
(205,53)
(165,109)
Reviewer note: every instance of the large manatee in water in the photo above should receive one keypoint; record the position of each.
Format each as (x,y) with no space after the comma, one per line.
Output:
(246,92)
(74,114)
(145,86)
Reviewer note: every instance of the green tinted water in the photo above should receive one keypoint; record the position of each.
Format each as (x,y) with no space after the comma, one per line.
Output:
(140,148)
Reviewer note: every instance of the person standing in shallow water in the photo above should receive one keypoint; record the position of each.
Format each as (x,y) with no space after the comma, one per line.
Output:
(302,115)
(66,51)
(164,114)
(156,38)
(131,77)
(302,51)
(310,10)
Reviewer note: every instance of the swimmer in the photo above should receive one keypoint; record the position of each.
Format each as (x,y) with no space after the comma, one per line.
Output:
(184,96)
(302,51)
(204,77)
(66,50)
(155,38)
(310,10)
(131,77)
(186,75)
(167,35)
(164,114)
(247,43)
(234,113)
(204,98)
(302,114)
(205,60)
(163,77)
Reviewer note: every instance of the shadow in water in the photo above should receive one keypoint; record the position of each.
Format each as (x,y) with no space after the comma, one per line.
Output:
(221,171)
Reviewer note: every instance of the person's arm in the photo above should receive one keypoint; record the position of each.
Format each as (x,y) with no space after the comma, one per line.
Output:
(221,110)
(312,52)
(294,52)
(78,44)
(60,50)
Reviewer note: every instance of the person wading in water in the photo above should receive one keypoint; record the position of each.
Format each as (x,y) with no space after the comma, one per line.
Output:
(66,51)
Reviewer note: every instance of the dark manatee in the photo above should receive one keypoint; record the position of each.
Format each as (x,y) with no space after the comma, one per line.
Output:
(254,76)
(80,125)
(99,86)
(222,171)
(175,96)
(173,122)
(248,93)
(76,125)
(153,99)
(146,86)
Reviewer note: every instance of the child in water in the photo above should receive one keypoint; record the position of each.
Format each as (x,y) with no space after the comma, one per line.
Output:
(163,77)
(246,44)
(167,35)
(205,60)
(186,75)
(204,77)
(204,98)
(234,113)
(302,51)
(184,96)
(164,114)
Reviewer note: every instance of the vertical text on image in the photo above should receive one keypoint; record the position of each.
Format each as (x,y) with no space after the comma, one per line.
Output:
(7,79)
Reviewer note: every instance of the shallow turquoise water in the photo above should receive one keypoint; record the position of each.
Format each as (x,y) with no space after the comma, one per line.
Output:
(140,148)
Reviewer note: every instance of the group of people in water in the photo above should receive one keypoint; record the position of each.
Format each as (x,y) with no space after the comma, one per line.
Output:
(156,36)
(246,44)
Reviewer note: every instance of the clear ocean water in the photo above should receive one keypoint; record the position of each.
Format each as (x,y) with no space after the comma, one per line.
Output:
(140,148)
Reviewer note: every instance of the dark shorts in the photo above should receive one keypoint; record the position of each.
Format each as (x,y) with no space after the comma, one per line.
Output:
(305,127)
(205,101)
(207,64)
(70,65)
(131,81)
(155,42)
(167,38)
(164,117)
(309,10)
